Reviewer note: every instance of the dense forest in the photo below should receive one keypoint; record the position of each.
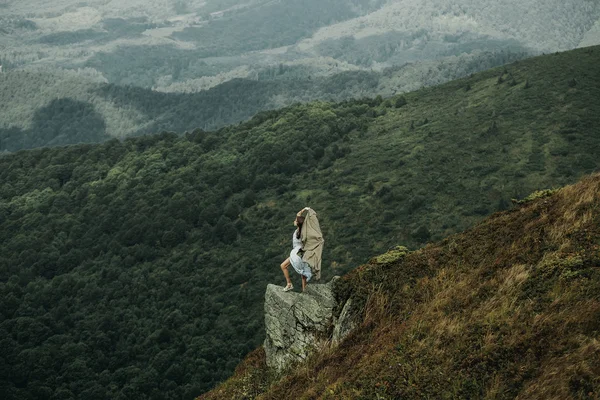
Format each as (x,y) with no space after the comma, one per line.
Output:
(136,268)
(54,108)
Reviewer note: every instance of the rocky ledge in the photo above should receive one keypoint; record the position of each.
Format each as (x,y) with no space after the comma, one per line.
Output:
(298,323)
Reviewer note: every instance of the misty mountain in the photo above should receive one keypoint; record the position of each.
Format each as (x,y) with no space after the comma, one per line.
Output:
(188,45)
(224,61)
(49,107)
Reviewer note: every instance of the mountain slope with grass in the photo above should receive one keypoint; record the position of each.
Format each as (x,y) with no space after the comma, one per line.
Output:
(508,309)
(134,268)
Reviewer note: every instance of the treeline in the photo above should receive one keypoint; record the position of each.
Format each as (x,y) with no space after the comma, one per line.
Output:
(136,268)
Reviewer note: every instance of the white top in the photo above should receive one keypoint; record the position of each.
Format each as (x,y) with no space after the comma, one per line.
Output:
(296,243)
(299,265)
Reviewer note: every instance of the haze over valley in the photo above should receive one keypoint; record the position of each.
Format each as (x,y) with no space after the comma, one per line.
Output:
(236,58)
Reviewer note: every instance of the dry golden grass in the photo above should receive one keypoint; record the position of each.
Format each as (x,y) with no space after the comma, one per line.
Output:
(509,309)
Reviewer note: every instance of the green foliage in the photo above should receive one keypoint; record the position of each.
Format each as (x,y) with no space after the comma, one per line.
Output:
(400,102)
(538,194)
(62,38)
(391,256)
(147,250)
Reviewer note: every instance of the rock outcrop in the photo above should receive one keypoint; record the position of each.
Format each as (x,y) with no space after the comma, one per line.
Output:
(346,322)
(298,323)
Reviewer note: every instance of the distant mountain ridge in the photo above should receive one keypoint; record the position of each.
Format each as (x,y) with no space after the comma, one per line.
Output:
(329,50)
(60,107)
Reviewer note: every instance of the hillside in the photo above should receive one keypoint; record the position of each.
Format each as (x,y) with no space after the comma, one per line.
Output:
(46,107)
(508,309)
(134,268)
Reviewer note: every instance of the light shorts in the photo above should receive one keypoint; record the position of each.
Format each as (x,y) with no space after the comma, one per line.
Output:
(299,265)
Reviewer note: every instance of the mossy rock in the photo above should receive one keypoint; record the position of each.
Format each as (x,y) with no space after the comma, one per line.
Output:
(539,194)
(392,255)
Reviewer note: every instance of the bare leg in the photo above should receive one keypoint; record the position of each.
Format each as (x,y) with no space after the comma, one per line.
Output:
(303,283)
(284,268)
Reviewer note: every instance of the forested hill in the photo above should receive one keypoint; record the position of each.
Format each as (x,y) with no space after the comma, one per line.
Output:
(59,107)
(136,268)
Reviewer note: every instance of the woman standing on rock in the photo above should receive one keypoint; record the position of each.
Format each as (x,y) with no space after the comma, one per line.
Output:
(307,248)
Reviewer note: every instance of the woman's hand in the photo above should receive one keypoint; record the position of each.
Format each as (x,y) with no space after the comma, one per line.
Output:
(301,211)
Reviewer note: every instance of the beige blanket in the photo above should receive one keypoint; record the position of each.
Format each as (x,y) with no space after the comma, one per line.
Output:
(312,240)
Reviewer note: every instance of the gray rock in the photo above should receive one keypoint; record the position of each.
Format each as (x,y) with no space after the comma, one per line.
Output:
(347,321)
(296,323)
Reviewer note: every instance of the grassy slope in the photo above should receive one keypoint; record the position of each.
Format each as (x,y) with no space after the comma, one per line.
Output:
(507,309)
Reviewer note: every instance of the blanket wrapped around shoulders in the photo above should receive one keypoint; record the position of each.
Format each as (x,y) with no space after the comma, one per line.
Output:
(312,241)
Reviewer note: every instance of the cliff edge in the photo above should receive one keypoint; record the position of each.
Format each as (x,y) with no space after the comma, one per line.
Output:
(298,323)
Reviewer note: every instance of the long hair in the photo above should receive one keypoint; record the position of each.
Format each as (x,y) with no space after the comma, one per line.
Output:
(299,221)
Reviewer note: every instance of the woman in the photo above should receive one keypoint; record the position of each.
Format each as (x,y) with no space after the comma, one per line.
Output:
(307,247)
